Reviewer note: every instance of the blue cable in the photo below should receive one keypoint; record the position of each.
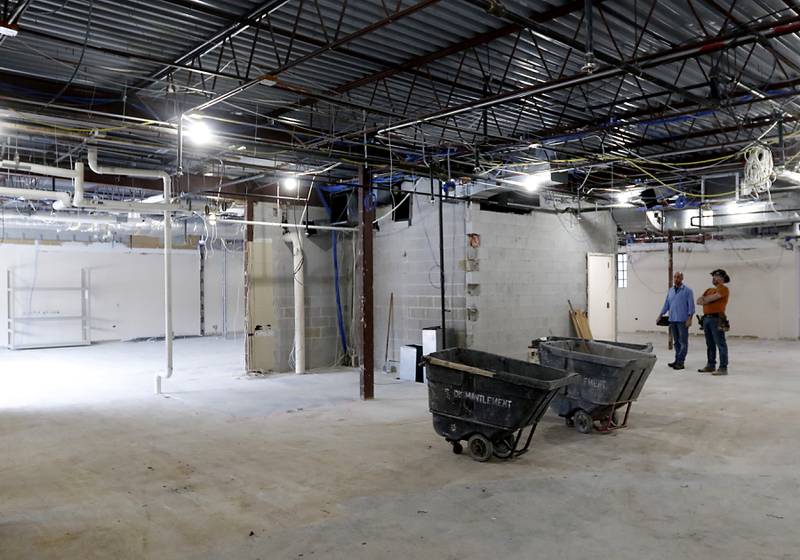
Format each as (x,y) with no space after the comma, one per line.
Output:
(339,314)
(339,317)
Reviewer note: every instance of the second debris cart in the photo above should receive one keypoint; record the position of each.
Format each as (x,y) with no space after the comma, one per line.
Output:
(611,377)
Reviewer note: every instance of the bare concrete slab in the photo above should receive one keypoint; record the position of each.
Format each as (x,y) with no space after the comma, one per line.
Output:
(95,466)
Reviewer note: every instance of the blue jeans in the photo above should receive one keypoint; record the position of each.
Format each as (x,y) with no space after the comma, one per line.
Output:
(715,338)
(680,338)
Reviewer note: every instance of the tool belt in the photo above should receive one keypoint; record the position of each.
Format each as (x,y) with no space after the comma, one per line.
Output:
(724,323)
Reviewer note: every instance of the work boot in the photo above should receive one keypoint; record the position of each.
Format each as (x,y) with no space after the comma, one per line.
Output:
(672,364)
(678,366)
(721,371)
(707,369)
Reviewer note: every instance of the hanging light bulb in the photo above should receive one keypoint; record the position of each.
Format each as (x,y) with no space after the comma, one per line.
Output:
(290,183)
(199,132)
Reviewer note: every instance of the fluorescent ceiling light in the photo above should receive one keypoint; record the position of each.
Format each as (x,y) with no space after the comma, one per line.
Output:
(732,207)
(290,183)
(790,175)
(624,197)
(8,29)
(535,181)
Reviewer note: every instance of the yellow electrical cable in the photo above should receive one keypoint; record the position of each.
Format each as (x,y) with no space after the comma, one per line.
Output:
(673,189)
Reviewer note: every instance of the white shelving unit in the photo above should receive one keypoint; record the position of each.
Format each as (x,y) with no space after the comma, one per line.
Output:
(16,322)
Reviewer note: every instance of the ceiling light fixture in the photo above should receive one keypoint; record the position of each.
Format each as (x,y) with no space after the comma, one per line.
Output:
(624,197)
(8,29)
(790,176)
(535,181)
(200,133)
(290,183)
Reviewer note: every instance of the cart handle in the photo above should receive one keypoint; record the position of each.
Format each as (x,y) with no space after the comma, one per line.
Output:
(569,378)
(460,367)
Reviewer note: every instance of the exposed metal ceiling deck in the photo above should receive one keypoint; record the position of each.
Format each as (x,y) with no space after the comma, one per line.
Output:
(693,78)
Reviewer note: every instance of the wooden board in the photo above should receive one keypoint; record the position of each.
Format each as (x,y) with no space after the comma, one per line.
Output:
(580,320)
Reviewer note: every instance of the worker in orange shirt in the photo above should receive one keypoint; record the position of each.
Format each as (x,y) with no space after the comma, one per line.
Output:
(714,301)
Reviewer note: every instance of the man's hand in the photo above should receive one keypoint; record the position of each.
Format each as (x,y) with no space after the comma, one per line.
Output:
(688,322)
(701,300)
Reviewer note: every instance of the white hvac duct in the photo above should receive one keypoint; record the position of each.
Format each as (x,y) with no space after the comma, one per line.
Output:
(296,241)
(57,222)
(167,181)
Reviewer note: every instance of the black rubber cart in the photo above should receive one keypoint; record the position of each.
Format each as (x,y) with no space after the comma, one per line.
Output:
(489,400)
(611,377)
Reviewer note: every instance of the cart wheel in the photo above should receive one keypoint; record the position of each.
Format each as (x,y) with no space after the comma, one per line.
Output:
(583,422)
(480,448)
(503,447)
(457,447)
(569,421)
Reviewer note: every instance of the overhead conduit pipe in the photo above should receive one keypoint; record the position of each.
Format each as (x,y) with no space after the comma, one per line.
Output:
(167,180)
(34,194)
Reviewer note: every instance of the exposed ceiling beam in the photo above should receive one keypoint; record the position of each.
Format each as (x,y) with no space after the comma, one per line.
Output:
(713,4)
(416,62)
(231,30)
(752,125)
(628,67)
(405,12)
(643,116)
(740,37)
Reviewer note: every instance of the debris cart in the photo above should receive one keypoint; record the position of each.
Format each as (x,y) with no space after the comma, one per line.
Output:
(611,377)
(489,400)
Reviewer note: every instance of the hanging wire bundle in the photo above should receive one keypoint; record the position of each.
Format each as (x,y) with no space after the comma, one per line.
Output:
(759,171)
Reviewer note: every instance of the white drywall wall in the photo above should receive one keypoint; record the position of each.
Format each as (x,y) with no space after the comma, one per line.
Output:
(224,291)
(764,299)
(126,286)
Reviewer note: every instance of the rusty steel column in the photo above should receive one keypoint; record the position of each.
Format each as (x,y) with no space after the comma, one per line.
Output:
(669,280)
(366,214)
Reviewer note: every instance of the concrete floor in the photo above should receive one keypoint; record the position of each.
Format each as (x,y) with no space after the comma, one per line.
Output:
(94,466)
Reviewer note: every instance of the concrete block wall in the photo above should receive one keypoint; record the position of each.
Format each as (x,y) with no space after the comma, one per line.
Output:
(406,263)
(322,341)
(528,266)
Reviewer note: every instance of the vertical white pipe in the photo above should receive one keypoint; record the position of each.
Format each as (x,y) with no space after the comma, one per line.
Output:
(296,239)
(299,304)
(167,282)
(167,180)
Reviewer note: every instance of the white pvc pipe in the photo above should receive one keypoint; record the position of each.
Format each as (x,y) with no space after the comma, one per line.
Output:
(285,225)
(38,169)
(167,180)
(64,200)
(299,301)
(36,194)
(31,194)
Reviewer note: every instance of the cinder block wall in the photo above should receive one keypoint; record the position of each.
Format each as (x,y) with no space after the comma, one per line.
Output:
(525,270)
(322,339)
(406,263)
